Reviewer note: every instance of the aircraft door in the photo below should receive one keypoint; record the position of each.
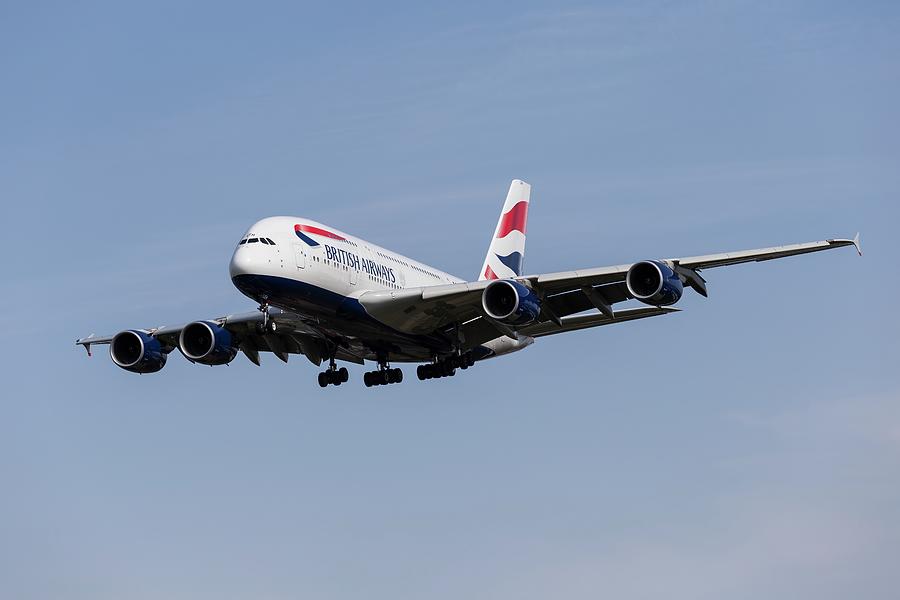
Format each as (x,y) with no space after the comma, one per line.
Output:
(300,256)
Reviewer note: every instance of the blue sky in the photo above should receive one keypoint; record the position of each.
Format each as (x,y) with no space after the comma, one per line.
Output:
(748,447)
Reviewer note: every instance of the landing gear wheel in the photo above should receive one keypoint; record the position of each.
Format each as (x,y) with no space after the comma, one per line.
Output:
(383,376)
(333,376)
(445,367)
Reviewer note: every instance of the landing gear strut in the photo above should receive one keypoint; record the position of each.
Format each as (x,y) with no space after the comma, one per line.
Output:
(445,367)
(383,376)
(333,375)
(267,325)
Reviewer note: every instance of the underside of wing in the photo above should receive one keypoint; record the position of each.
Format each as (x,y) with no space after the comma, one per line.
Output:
(425,310)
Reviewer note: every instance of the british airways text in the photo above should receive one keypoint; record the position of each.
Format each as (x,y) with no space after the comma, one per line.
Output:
(355,262)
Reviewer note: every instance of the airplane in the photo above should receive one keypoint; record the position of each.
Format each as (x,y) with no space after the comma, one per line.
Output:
(331,296)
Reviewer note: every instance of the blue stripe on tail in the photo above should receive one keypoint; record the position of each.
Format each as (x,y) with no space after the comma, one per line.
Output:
(513,261)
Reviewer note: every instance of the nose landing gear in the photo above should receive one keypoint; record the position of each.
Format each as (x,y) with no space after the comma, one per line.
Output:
(267,325)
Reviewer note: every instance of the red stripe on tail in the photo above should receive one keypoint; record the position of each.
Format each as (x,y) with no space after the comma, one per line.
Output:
(514,219)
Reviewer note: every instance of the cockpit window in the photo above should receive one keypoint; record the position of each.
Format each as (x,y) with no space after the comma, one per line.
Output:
(253,240)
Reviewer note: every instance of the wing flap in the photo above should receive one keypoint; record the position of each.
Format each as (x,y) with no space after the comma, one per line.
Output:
(576,300)
(593,320)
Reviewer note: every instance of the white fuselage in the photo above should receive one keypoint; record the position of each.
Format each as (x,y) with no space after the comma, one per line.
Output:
(342,264)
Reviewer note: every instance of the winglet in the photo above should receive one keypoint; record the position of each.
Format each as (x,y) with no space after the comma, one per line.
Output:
(856,243)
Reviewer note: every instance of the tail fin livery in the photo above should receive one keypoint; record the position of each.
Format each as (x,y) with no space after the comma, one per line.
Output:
(507,250)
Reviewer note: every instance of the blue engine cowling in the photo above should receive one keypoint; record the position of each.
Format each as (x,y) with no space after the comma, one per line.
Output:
(137,351)
(654,282)
(510,302)
(207,343)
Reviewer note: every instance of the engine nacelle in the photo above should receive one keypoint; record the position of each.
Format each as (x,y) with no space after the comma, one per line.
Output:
(137,351)
(510,302)
(654,282)
(207,343)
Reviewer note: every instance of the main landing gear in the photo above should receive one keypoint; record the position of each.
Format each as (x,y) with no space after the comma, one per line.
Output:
(445,367)
(333,375)
(383,376)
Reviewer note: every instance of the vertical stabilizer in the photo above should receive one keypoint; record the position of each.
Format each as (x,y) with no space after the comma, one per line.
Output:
(506,253)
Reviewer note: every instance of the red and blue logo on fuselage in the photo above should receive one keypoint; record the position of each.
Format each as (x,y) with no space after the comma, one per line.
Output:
(302,230)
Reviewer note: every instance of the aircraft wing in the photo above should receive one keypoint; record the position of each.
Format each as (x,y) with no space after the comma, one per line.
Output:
(292,335)
(564,280)
(425,310)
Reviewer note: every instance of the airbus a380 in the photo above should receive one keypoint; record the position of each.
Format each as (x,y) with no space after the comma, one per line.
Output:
(333,297)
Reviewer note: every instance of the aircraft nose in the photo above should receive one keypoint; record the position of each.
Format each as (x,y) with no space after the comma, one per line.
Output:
(242,262)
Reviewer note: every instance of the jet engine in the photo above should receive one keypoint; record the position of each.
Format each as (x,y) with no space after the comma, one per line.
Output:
(137,351)
(207,343)
(654,282)
(510,302)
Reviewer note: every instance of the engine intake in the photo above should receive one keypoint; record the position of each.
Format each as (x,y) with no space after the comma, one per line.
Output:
(510,302)
(207,343)
(137,351)
(654,282)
